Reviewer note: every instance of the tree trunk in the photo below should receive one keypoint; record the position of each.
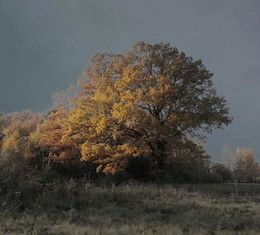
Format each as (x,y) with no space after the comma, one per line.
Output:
(161,154)
(235,186)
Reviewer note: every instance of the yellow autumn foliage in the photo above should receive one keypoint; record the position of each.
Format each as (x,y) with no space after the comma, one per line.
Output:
(142,103)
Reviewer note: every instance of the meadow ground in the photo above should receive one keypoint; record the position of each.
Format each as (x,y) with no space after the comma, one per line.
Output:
(137,209)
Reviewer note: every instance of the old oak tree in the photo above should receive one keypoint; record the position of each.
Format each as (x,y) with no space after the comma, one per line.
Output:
(145,102)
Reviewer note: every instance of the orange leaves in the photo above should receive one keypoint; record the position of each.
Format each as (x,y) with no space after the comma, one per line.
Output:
(109,157)
(55,137)
(51,129)
(140,103)
(136,104)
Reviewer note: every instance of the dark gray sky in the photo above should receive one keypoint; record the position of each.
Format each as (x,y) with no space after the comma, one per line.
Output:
(44,45)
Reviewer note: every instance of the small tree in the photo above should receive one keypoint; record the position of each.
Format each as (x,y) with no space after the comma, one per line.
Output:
(189,162)
(246,168)
(54,133)
(15,152)
(242,165)
(16,132)
(222,171)
(231,161)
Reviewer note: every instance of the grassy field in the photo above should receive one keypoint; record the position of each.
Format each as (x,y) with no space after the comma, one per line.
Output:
(138,209)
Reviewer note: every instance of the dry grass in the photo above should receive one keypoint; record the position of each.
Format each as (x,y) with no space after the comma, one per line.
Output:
(141,209)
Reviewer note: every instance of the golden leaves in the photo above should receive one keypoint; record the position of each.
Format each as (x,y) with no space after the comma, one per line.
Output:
(131,104)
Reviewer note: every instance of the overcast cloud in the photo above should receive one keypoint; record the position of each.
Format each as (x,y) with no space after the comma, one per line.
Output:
(44,45)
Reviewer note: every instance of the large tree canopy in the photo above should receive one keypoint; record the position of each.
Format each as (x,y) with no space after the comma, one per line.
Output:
(143,103)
